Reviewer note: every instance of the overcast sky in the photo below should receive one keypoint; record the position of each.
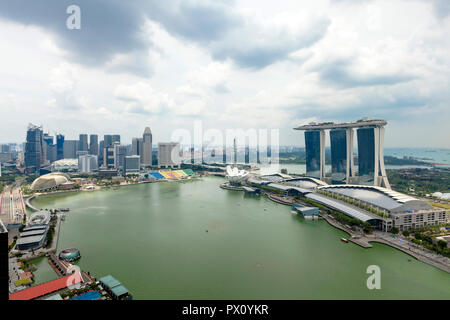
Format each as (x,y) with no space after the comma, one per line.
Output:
(232,64)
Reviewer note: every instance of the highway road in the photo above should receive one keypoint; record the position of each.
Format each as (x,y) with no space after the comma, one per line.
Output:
(12,207)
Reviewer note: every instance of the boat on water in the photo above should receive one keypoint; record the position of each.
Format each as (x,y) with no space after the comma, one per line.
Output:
(344,240)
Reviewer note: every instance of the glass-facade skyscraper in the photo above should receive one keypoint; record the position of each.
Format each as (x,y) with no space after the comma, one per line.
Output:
(312,146)
(370,135)
(366,155)
(83,142)
(338,140)
(59,147)
(34,149)
(93,144)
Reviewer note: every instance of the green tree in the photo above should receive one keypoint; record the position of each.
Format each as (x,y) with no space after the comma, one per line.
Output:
(394,230)
(442,244)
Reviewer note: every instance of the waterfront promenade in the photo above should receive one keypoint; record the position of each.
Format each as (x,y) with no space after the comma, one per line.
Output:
(360,238)
(386,238)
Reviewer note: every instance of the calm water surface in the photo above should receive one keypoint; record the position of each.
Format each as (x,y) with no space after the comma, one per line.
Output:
(193,240)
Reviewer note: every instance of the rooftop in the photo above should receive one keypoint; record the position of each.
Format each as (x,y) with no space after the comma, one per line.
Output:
(378,196)
(331,125)
(32,233)
(348,210)
(32,239)
(286,187)
(110,281)
(46,288)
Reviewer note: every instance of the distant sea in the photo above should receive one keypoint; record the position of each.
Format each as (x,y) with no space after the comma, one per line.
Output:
(430,155)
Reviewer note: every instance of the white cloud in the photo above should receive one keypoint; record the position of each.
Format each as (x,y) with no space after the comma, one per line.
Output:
(274,65)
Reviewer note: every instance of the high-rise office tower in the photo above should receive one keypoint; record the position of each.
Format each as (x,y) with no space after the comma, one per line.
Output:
(101,148)
(70,149)
(147,147)
(108,156)
(131,164)
(169,154)
(93,144)
(111,139)
(120,152)
(50,148)
(136,147)
(83,143)
(34,149)
(116,138)
(59,147)
(87,163)
(107,140)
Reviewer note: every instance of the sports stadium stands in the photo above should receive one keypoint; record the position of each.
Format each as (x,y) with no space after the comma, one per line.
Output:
(179,173)
(189,172)
(168,174)
(156,175)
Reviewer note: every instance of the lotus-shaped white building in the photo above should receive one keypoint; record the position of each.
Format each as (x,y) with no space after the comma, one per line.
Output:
(236,176)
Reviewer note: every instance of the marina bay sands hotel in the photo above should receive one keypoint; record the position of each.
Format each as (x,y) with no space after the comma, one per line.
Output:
(370,136)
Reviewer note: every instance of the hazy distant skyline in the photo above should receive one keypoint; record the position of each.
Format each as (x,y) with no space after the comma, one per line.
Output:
(231,64)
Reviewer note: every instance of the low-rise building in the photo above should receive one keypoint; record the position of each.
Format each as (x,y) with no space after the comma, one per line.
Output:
(115,288)
(394,208)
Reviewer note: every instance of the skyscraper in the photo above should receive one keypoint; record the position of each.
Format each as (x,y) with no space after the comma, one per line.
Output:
(49,147)
(108,157)
(136,147)
(110,139)
(338,140)
(83,143)
(169,154)
(370,151)
(116,138)
(87,163)
(101,149)
(93,144)
(107,140)
(371,157)
(132,165)
(59,147)
(315,153)
(34,149)
(147,147)
(70,149)
(120,153)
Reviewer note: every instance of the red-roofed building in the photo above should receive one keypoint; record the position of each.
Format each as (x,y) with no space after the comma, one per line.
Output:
(47,287)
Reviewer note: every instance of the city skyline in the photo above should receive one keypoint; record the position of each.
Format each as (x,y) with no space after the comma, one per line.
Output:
(248,65)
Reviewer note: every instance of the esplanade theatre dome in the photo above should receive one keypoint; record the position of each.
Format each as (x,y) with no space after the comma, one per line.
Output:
(50,181)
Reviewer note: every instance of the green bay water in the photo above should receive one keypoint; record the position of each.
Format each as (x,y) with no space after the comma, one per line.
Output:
(193,240)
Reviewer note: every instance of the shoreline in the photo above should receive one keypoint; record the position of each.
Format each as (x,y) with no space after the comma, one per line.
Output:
(361,240)
(31,197)
(364,241)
